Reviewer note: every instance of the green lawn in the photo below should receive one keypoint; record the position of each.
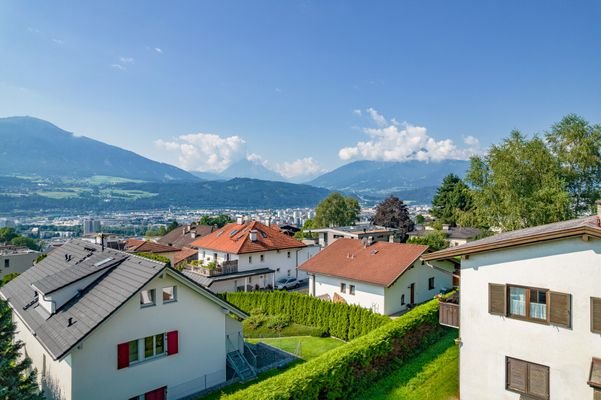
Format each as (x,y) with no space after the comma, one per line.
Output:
(306,347)
(432,375)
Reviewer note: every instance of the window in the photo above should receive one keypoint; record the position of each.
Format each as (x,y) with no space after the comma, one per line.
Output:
(351,289)
(527,378)
(147,298)
(342,287)
(169,294)
(262,258)
(595,315)
(288,254)
(147,348)
(215,256)
(250,259)
(6,263)
(402,299)
(431,283)
(531,304)
(594,378)
(157,394)
(133,351)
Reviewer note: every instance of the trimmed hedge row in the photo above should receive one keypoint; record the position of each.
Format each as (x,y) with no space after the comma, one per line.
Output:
(343,372)
(338,319)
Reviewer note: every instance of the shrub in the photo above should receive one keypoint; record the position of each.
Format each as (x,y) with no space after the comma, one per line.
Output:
(255,321)
(155,257)
(345,371)
(340,320)
(278,322)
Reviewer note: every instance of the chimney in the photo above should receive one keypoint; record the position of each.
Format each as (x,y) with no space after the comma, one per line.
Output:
(253,235)
(193,234)
(70,321)
(239,220)
(370,240)
(102,241)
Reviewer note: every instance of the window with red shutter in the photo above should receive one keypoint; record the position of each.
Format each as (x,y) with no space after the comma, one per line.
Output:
(172,343)
(123,355)
(157,394)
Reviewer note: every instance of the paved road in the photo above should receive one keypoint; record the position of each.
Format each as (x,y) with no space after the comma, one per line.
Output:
(304,288)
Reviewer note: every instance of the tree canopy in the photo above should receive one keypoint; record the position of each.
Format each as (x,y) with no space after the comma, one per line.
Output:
(337,210)
(9,235)
(577,145)
(435,240)
(452,198)
(393,213)
(220,220)
(516,185)
(17,380)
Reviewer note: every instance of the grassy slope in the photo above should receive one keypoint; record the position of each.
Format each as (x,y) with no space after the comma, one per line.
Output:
(432,375)
(310,347)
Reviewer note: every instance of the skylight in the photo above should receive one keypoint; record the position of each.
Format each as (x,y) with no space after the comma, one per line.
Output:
(232,233)
(102,262)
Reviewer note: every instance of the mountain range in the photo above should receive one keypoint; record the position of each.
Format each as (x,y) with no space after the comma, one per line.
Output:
(36,149)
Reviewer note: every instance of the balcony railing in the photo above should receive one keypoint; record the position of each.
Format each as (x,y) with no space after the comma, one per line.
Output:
(448,312)
(226,267)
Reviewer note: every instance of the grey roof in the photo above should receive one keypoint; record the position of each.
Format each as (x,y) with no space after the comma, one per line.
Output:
(120,282)
(182,235)
(206,281)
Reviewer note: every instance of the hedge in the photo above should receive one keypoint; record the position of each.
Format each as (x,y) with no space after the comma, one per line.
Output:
(338,319)
(343,372)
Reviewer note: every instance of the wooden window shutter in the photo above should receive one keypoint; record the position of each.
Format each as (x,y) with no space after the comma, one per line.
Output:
(538,380)
(597,394)
(123,355)
(594,379)
(560,305)
(517,375)
(497,299)
(172,343)
(595,315)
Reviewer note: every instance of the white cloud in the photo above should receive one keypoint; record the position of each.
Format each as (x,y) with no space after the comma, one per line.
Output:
(205,152)
(126,60)
(299,168)
(357,112)
(58,41)
(118,66)
(257,159)
(393,141)
(377,117)
(158,50)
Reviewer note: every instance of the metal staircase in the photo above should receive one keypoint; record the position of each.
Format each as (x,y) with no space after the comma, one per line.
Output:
(238,363)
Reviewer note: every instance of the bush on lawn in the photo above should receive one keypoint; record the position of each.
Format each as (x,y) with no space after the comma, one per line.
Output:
(345,371)
(337,319)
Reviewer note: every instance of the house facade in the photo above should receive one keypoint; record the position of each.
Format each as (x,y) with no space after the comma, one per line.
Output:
(327,236)
(248,256)
(14,259)
(387,278)
(530,313)
(99,323)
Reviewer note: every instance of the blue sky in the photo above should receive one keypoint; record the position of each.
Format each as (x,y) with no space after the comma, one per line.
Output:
(300,86)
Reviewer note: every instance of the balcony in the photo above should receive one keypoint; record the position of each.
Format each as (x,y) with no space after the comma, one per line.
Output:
(448,312)
(225,267)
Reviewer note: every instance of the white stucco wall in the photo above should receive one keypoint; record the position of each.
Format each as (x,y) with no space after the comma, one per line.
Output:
(201,326)
(55,375)
(18,263)
(570,266)
(274,259)
(385,300)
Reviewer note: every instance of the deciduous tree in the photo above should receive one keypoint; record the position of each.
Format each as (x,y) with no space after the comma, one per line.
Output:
(337,210)
(393,213)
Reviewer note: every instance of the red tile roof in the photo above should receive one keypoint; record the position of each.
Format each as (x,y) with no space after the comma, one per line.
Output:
(235,239)
(381,263)
(182,255)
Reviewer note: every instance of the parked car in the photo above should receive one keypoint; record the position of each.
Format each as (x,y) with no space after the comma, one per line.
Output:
(287,283)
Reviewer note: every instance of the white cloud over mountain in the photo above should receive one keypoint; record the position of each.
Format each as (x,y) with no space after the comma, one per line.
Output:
(394,141)
(206,152)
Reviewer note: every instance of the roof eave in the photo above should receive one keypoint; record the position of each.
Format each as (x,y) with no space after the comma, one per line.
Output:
(524,241)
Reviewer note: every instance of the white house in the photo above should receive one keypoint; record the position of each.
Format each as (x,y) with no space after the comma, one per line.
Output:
(248,255)
(14,259)
(384,277)
(327,236)
(99,323)
(530,320)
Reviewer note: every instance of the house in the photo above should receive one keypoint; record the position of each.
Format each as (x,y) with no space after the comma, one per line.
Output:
(384,277)
(100,323)
(179,258)
(288,229)
(376,233)
(456,236)
(15,259)
(183,236)
(530,318)
(247,256)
